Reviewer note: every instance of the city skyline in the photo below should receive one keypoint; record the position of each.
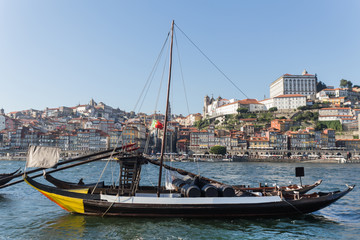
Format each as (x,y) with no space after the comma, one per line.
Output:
(65,53)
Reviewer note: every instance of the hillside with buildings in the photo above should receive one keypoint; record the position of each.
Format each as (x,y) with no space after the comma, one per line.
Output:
(296,117)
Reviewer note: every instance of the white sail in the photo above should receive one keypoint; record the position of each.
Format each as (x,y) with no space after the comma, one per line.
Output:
(42,157)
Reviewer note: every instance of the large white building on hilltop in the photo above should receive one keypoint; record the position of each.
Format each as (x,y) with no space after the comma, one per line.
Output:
(304,84)
(289,101)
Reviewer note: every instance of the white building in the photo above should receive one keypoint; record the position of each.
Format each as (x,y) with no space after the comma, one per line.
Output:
(268,103)
(304,84)
(338,92)
(191,119)
(289,101)
(210,105)
(344,115)
(221,107)
(335,111)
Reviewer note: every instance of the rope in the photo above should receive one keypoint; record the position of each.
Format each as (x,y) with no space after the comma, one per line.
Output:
(182,75)
(212,62)
(156,103)
(92,192)
(151,75)
(293,206)
(117,195)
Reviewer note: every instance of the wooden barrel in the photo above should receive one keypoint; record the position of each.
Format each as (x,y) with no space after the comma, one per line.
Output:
(209,190)
(190,191)
(226,191)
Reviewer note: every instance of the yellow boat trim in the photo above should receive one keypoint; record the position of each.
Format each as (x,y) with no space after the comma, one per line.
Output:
(81,190)
(68,203)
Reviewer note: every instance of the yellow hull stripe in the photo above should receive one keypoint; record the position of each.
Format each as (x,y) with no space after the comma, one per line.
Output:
(68,203)
(82,190)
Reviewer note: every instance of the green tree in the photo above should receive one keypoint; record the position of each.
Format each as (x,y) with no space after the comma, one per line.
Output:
(273,109)
(242,110)
(265,117)
(302,108)
(336,125)
(202,124)
(320,86)
(294,128)
(218,150)
(345,83)
(320,126)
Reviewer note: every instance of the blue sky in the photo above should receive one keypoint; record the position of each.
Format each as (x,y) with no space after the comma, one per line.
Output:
(62,53)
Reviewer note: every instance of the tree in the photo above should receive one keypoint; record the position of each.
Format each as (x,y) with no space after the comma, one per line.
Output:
(345,83)
(273,109)
(320,126)
(242,110)
(201,124)
(336,125)
(218,150)
(294,128)
(320,86)
(302,108)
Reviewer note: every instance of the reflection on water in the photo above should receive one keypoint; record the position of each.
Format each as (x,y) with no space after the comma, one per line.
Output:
(69,226)
(72,226)
(25,212)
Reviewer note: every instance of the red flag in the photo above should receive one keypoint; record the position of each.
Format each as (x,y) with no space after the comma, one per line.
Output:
(159,125)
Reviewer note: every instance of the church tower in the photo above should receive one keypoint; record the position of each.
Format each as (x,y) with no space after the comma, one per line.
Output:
(206,104)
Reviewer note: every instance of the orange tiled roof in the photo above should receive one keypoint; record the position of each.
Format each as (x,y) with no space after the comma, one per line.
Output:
(335,109)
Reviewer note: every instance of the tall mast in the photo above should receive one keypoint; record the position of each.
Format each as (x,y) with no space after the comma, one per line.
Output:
(166,112)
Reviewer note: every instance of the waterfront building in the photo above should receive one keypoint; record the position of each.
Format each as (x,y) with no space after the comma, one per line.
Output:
(202,140)
(115,139)
(348,144)
(301,140)
(182,145)
(259,143)
(277,140)
(325,139)
(91,140)
(304,84)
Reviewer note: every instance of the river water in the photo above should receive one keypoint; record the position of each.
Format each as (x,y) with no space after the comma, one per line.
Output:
(25,213)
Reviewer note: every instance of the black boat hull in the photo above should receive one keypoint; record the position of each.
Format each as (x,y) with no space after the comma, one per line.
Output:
(242,207)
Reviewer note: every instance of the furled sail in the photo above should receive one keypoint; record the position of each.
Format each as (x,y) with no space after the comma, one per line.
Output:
(170,176)
(42,157)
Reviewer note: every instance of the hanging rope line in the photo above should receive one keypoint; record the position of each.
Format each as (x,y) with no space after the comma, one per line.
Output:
(158,96)
(212,62)
(146,87)
(161,83)
(181,72)
(151,75)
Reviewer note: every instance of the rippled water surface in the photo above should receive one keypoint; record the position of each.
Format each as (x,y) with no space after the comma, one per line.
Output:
(25,213)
